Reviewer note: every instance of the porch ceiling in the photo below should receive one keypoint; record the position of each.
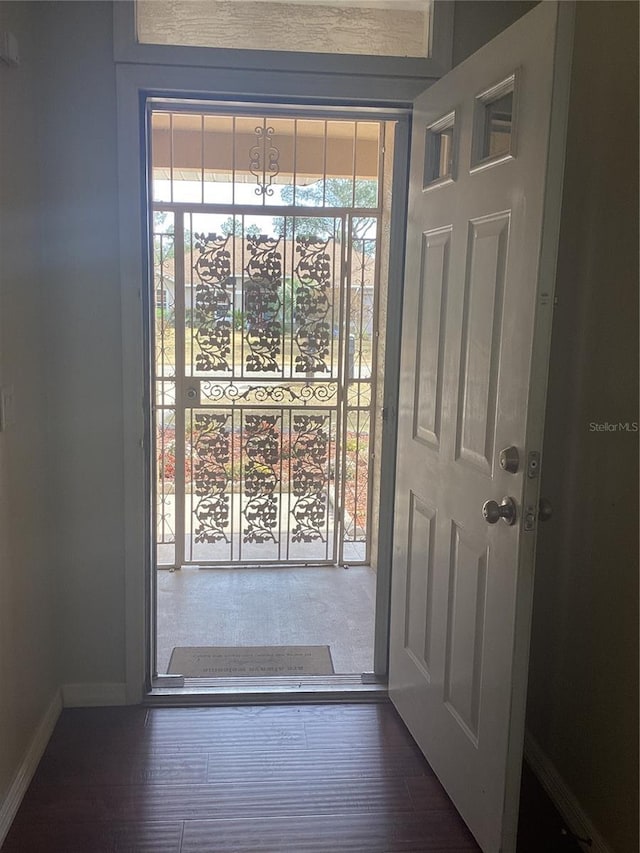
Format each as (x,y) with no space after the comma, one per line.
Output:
(218,145)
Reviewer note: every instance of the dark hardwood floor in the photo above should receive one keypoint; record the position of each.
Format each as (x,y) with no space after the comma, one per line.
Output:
(306,778)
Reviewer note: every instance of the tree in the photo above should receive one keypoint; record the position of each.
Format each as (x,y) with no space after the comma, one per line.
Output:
(163,247)
(163,226)
(233,225)
(160,222)
(338,193)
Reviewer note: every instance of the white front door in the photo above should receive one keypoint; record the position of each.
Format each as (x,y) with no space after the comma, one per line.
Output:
(484,203)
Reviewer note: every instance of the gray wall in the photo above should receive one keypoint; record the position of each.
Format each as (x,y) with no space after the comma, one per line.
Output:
(80,247)
(583,691)
(29,572)
(475,22)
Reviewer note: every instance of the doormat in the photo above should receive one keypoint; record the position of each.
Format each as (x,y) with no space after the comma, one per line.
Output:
(239,661)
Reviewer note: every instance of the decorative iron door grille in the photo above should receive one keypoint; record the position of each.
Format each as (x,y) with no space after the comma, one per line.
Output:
(264,338)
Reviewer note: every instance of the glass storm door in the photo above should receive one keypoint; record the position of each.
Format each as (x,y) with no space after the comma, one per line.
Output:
(265,257)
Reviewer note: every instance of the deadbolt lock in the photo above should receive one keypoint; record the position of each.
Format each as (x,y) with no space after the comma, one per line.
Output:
(505,510)
(510,459)
(192,393)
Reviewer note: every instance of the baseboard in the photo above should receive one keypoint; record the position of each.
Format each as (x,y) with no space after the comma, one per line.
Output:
(93,695)
(561,795)
(27,768)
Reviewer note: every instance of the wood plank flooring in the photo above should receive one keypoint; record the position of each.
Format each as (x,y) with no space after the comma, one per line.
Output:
(274,779)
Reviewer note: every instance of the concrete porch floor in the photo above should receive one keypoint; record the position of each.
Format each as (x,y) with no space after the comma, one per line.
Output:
(267,606)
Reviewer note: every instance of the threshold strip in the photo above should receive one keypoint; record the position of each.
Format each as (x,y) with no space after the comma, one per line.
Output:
(287,689)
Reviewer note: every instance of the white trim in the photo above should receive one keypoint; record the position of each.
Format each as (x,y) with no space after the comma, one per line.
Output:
(28,765)
(93,695)
(561,795)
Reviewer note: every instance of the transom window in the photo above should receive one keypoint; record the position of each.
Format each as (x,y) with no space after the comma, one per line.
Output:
(364,27)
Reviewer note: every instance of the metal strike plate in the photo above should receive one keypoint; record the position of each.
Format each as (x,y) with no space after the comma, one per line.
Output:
(529,519)
(533,464)
(533,514)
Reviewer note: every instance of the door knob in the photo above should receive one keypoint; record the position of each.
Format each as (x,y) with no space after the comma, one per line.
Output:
(505,510)
(545,510)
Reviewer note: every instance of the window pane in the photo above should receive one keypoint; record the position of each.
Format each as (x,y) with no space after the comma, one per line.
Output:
(494,129)
(161,156)
(365,27)
(438,155)
(498,119)
(310,160)
(340,163)
(186,132)
(367,154)
(219,161)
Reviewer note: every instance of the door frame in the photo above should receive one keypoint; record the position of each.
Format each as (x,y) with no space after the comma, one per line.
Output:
(135,84)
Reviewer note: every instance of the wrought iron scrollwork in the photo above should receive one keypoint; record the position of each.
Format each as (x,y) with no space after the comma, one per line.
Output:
(302,393)
(213,452)
(214,294)
(309,450)
(264,160)
(164,525)
(262,449)
(263,304)
(312,305)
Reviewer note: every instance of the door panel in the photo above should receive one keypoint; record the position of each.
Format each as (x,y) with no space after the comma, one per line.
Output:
(487,153)
(481,338)
(465,630)
(430,349)
(417,636)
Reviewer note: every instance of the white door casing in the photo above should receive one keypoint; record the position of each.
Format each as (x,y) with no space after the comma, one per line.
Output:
(481,246)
